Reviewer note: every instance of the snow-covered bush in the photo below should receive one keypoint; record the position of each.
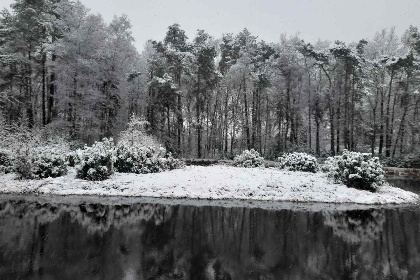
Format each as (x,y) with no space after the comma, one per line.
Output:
(96,163)
(356,170)
(249,158)
(139,152)
(41,162)
(6,169)
(21,140)
(168,162)
(298,162)
(412,160)
(6,161)
(72,158)
(23,167)
(143,159)
(48,161)
(137,134)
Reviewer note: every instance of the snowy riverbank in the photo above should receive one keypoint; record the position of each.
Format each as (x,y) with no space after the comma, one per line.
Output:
(213,182)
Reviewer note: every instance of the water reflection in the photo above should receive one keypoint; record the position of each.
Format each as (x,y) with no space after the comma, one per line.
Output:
(356,226)
(64,240)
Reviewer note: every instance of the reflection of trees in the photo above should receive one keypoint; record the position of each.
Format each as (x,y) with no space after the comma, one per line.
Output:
(155,241)
(356,226)
(30,232)
(99,218)
(95,217)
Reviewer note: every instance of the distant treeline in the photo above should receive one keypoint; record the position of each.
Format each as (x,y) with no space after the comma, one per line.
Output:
(208,97)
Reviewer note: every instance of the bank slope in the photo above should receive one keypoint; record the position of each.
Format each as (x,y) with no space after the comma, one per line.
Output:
(213,182)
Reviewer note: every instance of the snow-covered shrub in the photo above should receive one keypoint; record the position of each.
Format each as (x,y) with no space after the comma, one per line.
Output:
(137,134)
(96,163)
(72,158)
(249,158)
(142,159)
(6,169)
(356,170)
(298,162)
(169,162)
(23,167)
(5,157)
(412,160)
(41,162)
(6,161)
(48,161)
(139,152)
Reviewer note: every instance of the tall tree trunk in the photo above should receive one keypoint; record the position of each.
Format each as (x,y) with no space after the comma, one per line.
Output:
(400,133)
(389,144)
(44,60)
(338,122)
(374,129)
(352,116)
(253,117)
(226,120)
(309,108)
(50,111)
(180,126)
(168,121)
(190,122)
(259,122)
(317,140)
(29,101)
(332,128)
(388,119)
(346,108)
(381,129)
(247,130)
(198,105)
(331,109)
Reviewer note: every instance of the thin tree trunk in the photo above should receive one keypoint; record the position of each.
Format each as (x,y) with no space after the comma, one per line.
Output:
(381,129)
(198,105)
(180,126)
(29,102)
(44,59)
(309,108)
(387,119)
(247,130)
(338,123)
(317,141)
(226,120)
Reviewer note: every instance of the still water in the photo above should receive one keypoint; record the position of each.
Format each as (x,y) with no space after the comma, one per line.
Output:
(84,238)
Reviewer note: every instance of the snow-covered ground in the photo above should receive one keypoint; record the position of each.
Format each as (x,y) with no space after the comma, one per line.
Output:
(213,182)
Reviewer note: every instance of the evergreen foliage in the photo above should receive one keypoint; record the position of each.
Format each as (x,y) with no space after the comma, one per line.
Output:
(298,162)
(41,162)
(356,170)
(249,158)
(96,163)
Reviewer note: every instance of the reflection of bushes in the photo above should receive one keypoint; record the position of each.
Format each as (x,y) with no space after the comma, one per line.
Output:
(356,226)
(94,217)
(99,218)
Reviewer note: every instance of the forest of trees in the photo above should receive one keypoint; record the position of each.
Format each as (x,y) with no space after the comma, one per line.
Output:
(64,67)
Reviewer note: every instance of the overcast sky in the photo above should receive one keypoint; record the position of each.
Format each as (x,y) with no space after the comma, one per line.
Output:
(346,20)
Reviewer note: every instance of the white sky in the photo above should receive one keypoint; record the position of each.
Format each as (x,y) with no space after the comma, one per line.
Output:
(346,20)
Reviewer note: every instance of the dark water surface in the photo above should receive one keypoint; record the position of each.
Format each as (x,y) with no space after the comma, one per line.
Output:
(77,238)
